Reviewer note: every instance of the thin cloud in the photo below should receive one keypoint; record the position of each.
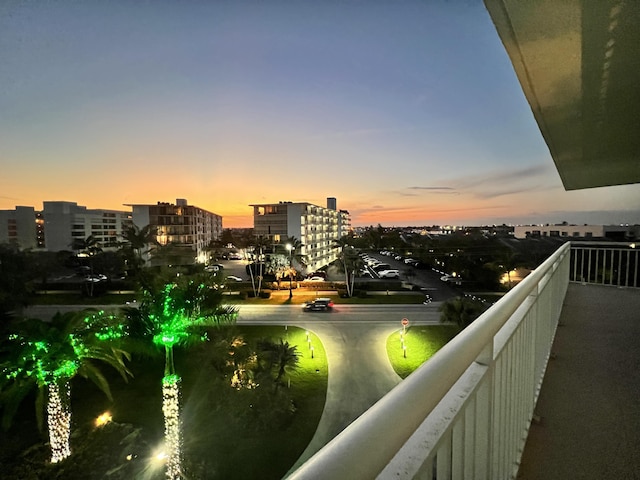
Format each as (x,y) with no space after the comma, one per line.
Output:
(501,183)
(502,177)
(434,189)
(389,211)
(485,195)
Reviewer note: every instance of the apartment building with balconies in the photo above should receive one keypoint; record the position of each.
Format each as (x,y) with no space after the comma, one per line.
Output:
(184,230)
(316,227)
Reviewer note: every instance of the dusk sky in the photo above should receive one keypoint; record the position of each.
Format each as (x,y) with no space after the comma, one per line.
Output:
(408,112)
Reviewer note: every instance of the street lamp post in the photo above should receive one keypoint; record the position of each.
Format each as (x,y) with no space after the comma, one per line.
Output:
(290,248)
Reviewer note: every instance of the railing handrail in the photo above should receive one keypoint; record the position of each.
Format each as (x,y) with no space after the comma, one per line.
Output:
(600,243)
(367,445)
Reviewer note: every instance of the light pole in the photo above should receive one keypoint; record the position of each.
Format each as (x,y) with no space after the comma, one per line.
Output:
(290,248)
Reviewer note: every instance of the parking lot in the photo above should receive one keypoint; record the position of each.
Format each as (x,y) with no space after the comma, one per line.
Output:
(426,279)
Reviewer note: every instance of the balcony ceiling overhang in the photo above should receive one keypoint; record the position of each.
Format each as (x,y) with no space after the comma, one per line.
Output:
(578,62)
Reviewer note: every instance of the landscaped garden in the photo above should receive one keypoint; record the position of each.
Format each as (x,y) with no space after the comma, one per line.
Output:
(236,423)
(421,343)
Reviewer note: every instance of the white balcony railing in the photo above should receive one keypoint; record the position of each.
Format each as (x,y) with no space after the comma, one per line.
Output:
(466,412)
(608,263)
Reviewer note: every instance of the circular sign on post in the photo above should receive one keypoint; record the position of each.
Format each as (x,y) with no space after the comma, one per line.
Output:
(405,321)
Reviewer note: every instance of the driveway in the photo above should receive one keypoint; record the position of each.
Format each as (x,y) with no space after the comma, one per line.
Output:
(359,375)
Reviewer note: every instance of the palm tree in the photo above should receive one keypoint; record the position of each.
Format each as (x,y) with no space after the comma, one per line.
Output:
(88,247)
(177,314)
(260,245)
(350,262)
(293,248)
(136,239)
(296,250)
(461,310)
(47,355)
(507,261)
(281,357)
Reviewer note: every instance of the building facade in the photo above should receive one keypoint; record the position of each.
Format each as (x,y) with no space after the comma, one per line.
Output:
(64,223)
(316,227)
(614,232)
(185,230)
(60,224)
(19,227)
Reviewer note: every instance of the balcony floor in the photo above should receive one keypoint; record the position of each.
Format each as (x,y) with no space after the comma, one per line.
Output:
(590,399)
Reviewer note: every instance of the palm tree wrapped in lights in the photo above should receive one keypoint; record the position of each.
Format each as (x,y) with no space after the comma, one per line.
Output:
(47,355)
(177,314)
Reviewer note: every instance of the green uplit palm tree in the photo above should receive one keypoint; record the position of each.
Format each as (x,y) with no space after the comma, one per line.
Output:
(47,355)
(176,315)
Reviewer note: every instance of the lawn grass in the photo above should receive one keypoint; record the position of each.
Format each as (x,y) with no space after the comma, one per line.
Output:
(422,343)
(228,433)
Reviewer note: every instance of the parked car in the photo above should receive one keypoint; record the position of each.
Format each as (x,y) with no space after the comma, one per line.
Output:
(319,304)
(316,279)
(451,279)
(95,278)
(233,278)
(381,266)
(235,256)
(389,274)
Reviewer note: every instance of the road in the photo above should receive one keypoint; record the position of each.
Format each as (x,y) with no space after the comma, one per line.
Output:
(369,315)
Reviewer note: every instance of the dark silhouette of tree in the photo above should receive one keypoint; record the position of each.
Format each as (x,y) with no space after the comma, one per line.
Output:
(136,243)
(279,357)
(506,261)
(461,310)
(350,262)
(87,247)
(15,282)
(260,246)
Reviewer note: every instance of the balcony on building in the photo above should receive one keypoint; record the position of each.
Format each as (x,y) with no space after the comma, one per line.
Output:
(545,384)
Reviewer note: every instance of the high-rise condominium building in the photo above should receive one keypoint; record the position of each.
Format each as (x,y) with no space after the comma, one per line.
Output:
(185,230)
(316,227)
(65,222)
